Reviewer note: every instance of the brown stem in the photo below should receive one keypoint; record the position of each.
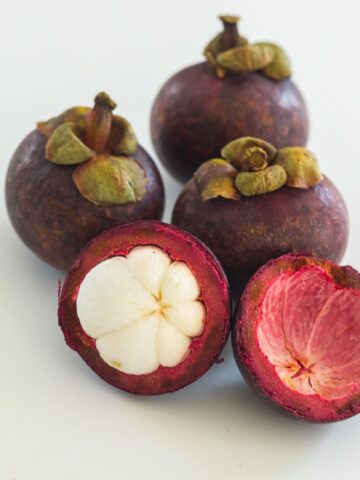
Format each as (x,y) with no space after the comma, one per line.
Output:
(230,37)
(255,159)
(99,122)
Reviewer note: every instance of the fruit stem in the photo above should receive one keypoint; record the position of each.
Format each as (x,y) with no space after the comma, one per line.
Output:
(230,37)
(98,125)
(255,159)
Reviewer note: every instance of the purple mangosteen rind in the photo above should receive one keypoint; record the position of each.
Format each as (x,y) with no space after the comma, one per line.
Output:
(179,245)
(267,214)
(47,209)
(198,111)
(245,234)
(255,366)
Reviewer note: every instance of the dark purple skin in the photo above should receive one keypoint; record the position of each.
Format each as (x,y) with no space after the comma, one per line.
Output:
(246,233)
(51,216)
(195,114)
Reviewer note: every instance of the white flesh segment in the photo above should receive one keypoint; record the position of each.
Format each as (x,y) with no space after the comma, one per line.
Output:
(122,303)
(148,265)
(179,285)
(110,296)
(132,348)
(187,317)
(172,344)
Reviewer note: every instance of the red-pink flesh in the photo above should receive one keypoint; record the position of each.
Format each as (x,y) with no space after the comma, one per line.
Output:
(296,337)
(310,332)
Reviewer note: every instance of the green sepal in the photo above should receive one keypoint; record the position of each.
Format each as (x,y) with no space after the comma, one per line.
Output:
(64,146)
(280,67)
(215,178)
(77,115)
(247,58)
(301,166)
(108,180)
(213,48)
(263,181)
(122,137)
(236,151)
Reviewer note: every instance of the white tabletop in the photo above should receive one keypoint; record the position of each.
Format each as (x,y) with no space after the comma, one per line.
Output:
(58,420)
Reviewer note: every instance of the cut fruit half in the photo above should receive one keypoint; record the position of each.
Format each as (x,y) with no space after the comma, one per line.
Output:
(147,307)
(296,337)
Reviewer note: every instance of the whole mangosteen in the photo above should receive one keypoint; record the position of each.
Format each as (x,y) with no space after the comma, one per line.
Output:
(76,175)
(241,90)
(257,203)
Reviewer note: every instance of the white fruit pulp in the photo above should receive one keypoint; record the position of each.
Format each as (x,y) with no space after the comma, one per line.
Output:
(142,310)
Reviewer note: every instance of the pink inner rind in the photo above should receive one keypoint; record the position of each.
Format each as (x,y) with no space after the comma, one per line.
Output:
(310,331)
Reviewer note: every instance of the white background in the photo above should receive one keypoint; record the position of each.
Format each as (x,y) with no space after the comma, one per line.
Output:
(57,419)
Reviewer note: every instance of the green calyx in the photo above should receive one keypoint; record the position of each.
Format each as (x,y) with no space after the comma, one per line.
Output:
(122,138)
(252,166)
(301,166)
(101,143)
(77,115)
(229,52)
(255,159)
(248,58)
(108,180)
(263,181)
(237,151)
(64,146)
(280,67)
(215,178)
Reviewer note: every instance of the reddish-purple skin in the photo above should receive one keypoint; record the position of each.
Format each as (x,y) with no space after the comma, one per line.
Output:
(195,114)
(215,295)
(51,216)
(253,365)
(246,233)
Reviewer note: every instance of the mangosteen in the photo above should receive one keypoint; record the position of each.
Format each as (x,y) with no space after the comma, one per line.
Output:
(296,337)
(147,307)
(241,90)
(258,203)
(77,175)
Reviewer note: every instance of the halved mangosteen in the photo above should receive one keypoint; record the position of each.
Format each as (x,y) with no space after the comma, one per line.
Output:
(296,337)
(147,307)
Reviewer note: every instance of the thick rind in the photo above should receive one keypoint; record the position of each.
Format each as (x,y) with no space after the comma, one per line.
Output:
(258,372)
(181,246)
(195,114)
(52,217)
(246,233)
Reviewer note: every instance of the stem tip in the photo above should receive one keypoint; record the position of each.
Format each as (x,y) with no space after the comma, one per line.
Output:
(105,99)
(229,19)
